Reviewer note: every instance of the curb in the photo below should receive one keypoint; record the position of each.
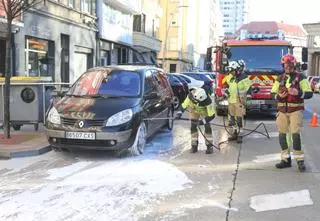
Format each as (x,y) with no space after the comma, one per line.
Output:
(7,154)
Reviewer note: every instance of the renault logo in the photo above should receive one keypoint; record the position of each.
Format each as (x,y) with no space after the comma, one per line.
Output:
(81,124)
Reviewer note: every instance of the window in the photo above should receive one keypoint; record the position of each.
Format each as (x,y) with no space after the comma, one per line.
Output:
(139,23)
(123,55)
(257,57)
(71,3)
(39,56)
(173,68)
(86,6)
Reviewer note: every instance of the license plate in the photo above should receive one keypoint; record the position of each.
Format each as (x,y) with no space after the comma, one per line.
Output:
(257,102)
(81,135)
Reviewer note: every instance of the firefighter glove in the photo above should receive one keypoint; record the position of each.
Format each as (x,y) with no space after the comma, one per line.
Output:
(293,91)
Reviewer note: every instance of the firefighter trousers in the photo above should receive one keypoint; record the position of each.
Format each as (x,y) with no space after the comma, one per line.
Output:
(194,116)
(290,124)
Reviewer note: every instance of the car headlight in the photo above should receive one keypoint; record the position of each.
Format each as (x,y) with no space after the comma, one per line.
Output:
(120,118)
(53,116)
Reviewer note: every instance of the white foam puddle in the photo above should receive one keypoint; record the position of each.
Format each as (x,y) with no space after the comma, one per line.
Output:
(117,190)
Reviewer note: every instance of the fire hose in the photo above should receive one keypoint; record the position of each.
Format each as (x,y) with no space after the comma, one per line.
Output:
(255,130)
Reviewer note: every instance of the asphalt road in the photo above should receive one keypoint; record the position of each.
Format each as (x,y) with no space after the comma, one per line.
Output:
(238,183)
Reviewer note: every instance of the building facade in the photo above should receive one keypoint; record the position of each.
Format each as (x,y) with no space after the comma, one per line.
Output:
(115,35)
(184,31)
(146,32)
(234,14)
(57,41)
(313,30)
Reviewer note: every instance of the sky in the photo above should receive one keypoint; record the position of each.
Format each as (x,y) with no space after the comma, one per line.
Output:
(295,12)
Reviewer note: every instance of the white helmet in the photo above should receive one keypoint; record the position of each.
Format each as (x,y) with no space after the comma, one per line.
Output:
(233,66)
(241,63)
(200,94)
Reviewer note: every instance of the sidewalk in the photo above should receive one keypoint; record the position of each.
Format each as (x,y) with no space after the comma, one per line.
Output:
(23,143)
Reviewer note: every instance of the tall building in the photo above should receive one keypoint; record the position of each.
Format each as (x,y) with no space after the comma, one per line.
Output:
(115,23)
(146,32)
(186,29)
(234,14)
(175,33)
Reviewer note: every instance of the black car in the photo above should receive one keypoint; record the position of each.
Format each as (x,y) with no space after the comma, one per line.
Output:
(183,80)
(179,90)
(112,108)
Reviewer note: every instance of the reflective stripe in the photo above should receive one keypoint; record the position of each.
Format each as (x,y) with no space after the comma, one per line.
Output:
(290,104)
(285,154)
(298,154)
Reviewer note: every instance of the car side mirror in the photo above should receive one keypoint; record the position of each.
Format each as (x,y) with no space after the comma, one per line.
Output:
(152,95)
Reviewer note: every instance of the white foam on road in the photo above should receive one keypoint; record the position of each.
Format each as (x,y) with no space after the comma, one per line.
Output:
(122,190)
(59,173)
(270,158)
(267,158)
(285,200)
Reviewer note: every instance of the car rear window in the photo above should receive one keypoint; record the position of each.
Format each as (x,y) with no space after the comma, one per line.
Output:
(185,78)
(108,82)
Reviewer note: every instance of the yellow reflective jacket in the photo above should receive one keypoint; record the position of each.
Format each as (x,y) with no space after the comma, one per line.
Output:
(237,89)
(304,85)
(204,111)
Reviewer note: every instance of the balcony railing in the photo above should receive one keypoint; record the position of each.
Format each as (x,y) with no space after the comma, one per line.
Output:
(146,42)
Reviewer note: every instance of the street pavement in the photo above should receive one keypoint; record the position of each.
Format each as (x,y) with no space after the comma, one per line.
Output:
(237,183)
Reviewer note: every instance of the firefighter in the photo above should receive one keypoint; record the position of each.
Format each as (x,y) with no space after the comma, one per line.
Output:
(202,112)
(290,91)
(238,85)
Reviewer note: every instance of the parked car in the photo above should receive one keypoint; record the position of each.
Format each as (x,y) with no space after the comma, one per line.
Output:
(211,75)
(180,91)
(317,88)
(202,77)
(191,81)
(315,80)
(112,108)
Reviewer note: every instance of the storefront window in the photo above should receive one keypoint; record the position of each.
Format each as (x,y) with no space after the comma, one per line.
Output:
(39,57)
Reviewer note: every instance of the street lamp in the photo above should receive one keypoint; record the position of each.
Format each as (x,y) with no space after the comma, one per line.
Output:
(164,54)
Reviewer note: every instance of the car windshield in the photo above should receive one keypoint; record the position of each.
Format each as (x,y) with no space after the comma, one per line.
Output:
(260,57)
(107,83)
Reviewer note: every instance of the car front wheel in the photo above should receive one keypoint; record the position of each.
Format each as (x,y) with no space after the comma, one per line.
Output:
(140,140)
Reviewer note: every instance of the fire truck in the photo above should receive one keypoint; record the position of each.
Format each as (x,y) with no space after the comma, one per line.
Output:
(262,54)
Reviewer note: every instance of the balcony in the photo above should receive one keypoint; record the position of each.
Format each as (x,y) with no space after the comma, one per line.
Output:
(146,43)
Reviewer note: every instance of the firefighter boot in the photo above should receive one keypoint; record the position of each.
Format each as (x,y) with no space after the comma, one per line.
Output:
(234,136)
(284,164)
(301,166)
(209,149)
(239,139)
(194,148)
(231,121)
